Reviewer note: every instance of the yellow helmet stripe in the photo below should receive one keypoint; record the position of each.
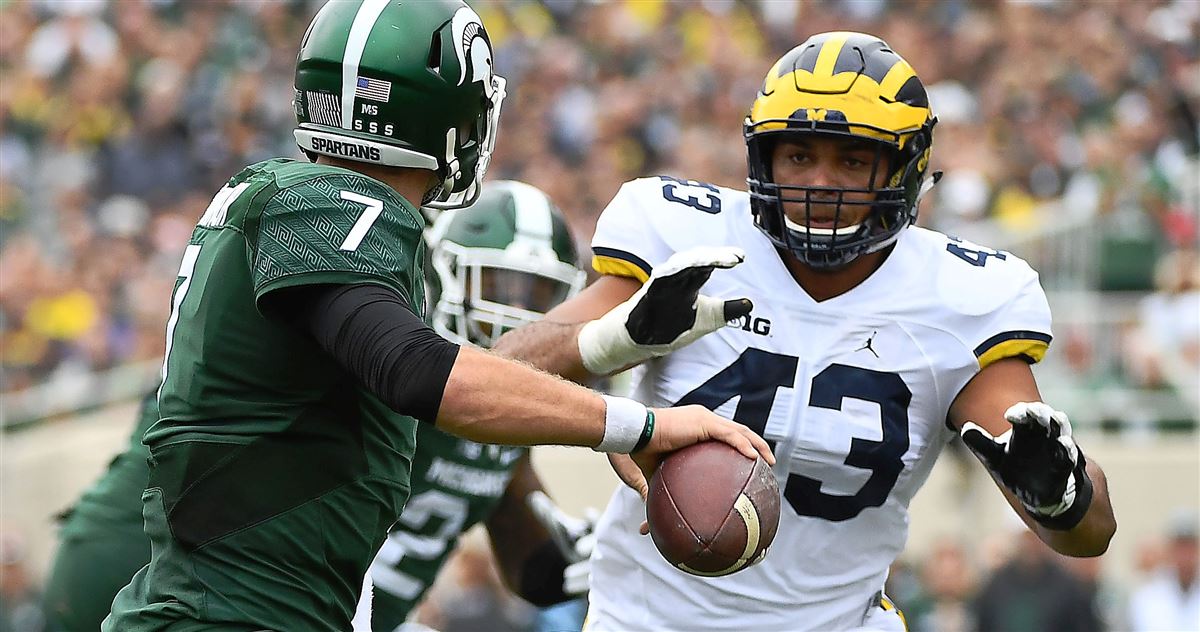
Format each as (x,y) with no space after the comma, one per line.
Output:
(829,54)
(895,79)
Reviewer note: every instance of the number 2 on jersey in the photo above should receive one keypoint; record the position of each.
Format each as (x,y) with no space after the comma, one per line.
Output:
(757,375)
(430,520)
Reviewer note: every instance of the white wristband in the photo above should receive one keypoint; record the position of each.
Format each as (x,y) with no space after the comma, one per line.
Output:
(624,420)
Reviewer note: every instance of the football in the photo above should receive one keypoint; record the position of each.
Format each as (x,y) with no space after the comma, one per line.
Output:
(712,511)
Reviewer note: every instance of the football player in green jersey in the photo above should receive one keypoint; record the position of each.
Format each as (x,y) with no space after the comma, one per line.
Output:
(297,361)
(101,542)
(499,264)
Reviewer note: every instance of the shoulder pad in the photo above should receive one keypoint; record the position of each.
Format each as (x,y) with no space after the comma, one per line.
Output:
(974,279)
(687,213)
(994,303)
(652,218)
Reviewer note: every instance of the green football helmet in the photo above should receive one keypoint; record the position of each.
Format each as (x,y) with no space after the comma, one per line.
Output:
(501,263)
(402,84)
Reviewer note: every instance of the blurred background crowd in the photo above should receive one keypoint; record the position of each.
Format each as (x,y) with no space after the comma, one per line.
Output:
(1067,131)
(118,120)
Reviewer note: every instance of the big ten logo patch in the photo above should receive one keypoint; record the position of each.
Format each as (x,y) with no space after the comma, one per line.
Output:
(753,324)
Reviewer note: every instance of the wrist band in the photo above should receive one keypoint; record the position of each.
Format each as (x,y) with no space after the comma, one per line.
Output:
(647,432)
(1068,519)
(624,423)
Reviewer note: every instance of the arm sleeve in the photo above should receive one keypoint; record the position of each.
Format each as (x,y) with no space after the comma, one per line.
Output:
(542,576)
(376,337)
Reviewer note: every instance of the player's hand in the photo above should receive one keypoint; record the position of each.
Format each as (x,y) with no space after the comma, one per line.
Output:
(666,314)
(573,537)
(1037,459)
(632,476)
(629,473)
(682,426)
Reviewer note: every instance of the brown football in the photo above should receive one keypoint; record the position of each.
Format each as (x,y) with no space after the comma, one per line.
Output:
(712,511)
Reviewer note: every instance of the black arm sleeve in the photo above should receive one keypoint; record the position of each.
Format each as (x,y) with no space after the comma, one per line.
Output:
(373,334)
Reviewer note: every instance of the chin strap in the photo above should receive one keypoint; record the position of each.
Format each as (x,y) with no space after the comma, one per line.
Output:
(927,185)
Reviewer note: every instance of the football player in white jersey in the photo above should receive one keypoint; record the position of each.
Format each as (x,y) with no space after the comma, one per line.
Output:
(869,345)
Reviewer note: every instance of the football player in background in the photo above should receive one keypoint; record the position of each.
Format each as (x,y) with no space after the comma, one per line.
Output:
(297,361)
(101,543)
(870,345)
(501,263)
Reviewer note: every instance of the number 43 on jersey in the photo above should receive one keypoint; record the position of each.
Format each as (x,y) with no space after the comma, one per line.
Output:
(756,376)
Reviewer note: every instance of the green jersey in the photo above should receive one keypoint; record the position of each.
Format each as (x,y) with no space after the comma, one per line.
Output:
(114,502)
(101,541)
(456,484)
(275,473)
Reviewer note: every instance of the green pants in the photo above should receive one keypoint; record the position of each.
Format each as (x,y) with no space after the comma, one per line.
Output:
(91,565)
(298,569)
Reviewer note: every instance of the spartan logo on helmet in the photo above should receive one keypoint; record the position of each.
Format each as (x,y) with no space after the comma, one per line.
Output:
(472,48)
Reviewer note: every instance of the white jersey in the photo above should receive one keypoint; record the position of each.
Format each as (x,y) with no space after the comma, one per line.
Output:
(852,393)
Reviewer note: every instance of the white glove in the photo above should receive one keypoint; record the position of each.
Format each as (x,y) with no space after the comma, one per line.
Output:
(572,535)
(577,576)
(1039,461)
(666,314)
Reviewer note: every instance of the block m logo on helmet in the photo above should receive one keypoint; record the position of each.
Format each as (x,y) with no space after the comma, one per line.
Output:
(819,114)
(425,70)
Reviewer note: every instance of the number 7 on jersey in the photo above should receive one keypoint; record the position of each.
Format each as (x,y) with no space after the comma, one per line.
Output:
(360,228)
(186,267)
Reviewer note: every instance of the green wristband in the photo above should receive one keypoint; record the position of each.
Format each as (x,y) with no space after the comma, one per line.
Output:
(647,432)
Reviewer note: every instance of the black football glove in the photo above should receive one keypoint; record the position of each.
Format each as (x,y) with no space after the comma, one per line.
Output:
(1038,460)
(666,314)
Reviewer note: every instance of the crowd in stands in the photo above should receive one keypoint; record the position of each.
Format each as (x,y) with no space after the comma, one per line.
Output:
(118,121)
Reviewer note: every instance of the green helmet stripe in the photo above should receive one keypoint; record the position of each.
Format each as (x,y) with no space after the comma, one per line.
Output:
(533,220)
(360,30)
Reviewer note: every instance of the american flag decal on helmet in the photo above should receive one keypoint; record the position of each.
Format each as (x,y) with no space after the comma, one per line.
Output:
(373,89)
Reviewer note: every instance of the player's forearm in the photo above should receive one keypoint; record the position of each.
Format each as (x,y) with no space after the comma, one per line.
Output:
(493,400)
(552,347)
(513,530)
(1091,536)
(552,344)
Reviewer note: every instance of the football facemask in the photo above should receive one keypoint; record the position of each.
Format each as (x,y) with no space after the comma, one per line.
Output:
(501,263)
(847,86)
